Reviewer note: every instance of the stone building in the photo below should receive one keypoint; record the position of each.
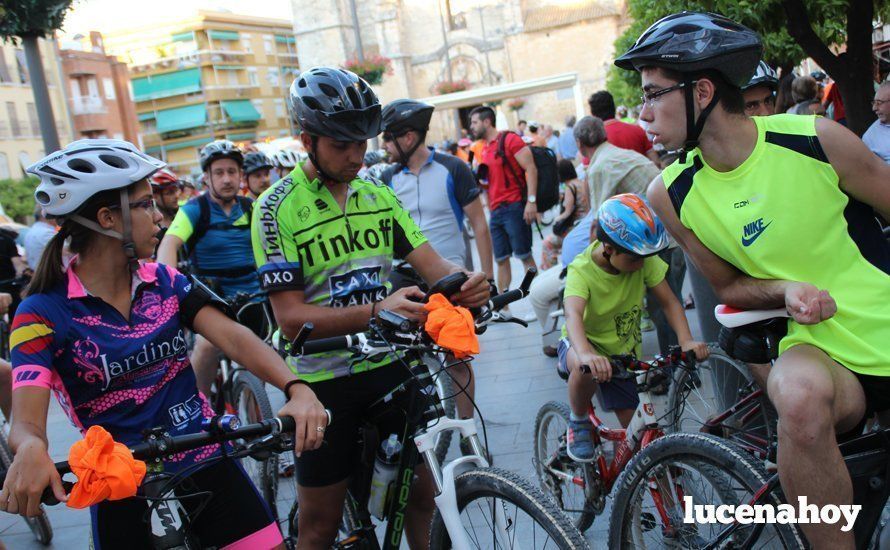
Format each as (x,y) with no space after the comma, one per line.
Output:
(483,42)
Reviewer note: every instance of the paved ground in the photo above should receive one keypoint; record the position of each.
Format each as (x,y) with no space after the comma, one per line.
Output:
(513,380)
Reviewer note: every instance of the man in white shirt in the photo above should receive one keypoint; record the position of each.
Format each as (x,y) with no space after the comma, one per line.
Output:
(37,237)
(877,137)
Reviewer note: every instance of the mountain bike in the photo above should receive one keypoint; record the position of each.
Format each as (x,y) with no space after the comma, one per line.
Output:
(238,391)
(480,507)
(581,489)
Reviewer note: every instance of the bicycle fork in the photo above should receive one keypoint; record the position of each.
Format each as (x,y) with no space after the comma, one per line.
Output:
(443,478)
(168,519)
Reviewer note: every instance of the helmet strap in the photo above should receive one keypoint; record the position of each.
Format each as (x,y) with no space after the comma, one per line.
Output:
(405,157)
(313,158)
(694,127)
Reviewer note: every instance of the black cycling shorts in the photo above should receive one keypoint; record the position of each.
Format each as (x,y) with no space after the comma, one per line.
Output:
(349,399)
(235,517)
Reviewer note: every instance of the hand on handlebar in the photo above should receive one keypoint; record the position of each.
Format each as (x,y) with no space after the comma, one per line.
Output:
(600,366)
(807,304)
(401,302)
(700,349)
(31,472)
(309,415)
(473,293)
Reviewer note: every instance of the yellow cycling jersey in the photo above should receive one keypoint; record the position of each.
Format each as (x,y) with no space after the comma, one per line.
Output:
(782,215)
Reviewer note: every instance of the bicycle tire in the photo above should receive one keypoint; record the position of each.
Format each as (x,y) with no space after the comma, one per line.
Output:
(252,404)
(39,525)
(733,380)
(554,486)
(507,486)
(720,461)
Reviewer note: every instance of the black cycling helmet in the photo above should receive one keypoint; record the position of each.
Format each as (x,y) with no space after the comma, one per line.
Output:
(256,161)
(403,115)
(220,149)
(692,42)
(763,76)
(335,103)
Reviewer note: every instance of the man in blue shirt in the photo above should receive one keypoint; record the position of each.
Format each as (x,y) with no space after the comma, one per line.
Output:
(568,149)
(215,229)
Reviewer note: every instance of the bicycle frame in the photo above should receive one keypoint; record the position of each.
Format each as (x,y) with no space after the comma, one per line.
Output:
(758,446)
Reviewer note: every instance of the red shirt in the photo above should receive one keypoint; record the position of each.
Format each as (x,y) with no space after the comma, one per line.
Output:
(627,136)
(501,192)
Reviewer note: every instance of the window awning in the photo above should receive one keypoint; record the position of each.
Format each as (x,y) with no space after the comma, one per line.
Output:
(200,142)
(241,110)
(244,136)
(222,35)
(146,116)
(229,67)
(167,85)
(183,36)
(478,96)
(182,118)
(280,38)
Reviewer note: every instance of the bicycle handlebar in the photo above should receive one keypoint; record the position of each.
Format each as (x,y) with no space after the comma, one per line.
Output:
(505,298)
(626,367)
(160,446)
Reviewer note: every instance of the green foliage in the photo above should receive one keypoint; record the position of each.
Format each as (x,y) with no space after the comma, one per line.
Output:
(17,197)
(31,17)
(767,17)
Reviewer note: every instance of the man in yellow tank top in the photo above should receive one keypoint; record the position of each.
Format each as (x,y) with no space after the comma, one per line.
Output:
(777,211)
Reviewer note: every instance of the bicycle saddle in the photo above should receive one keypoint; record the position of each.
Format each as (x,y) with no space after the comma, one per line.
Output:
(731,317)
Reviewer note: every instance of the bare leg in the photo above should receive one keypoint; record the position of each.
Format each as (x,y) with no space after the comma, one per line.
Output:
(421,507)
(505,275)
(321,509)
(815,397)
(205,362)
(582,386)
(529,263)
(462,375)
(760,372)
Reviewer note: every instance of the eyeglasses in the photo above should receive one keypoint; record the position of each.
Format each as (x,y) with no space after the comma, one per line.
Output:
(145,204)
(768,101)
(879,102)
(650,98)
(387,137)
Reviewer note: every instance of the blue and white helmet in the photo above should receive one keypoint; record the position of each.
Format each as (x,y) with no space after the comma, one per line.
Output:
(628,222)
(69,177)
(763,76)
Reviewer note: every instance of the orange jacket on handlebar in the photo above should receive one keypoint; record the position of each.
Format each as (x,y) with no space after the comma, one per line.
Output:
(105,470)
(451,326)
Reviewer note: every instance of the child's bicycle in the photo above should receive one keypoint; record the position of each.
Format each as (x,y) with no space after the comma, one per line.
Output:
(477,506)
(580,489)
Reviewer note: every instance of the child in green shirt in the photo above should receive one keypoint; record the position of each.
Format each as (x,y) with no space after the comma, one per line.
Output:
(603,303)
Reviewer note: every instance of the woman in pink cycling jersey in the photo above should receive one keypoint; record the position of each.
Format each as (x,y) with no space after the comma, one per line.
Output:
(106,334)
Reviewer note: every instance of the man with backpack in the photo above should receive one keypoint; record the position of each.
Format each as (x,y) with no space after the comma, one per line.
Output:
(214,228)
(514,171)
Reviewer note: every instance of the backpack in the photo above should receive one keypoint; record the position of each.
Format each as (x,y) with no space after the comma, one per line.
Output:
(203,225)
(548,178)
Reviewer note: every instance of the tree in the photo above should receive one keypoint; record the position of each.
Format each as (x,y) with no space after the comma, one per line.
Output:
(791,30)
(28,20)
(17,197)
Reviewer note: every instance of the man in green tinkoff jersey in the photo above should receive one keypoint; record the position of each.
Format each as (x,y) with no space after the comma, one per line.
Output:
(777,211)
(324,242)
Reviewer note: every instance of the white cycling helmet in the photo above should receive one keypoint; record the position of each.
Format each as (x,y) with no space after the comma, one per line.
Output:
(68,178)
(286,158)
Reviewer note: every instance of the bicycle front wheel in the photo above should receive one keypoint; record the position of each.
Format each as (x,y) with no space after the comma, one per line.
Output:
(648,510)
(500,510)
(252,405)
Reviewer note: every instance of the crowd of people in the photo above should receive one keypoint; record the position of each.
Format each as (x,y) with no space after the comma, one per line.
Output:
(706,169)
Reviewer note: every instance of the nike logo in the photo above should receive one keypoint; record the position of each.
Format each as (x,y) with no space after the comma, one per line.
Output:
(753,230)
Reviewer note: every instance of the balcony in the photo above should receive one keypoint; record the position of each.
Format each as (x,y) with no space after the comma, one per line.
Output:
(88,105)
(192,59)
(222,92)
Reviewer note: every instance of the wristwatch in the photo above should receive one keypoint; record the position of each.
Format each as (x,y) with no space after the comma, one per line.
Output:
(532,199)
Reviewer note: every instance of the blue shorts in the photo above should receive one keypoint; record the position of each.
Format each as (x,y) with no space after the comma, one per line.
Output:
(509,232)
(614,395)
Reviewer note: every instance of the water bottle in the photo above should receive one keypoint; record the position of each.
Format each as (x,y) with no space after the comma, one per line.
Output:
(385,467)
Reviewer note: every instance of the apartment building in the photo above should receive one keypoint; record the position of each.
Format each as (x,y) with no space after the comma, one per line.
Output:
(20,140)
(211,76)
(99,96)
